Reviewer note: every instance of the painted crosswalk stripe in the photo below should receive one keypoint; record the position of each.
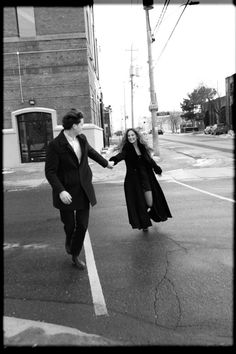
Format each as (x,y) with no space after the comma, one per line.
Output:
(202,191)
(96,289)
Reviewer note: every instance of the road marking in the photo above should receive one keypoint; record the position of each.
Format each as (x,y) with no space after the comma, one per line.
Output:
(96,289)
(202,191)
(7,246)
(10,245)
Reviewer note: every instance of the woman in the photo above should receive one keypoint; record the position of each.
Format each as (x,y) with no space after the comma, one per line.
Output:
(144,197)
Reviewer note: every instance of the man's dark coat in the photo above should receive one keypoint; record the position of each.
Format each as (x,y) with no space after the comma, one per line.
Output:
(139,218)
(64,172)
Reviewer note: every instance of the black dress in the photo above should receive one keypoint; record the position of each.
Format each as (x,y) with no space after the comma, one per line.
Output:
(139,178)
(142,171)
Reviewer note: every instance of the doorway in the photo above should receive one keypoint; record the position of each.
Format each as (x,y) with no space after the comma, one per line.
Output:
(35,133)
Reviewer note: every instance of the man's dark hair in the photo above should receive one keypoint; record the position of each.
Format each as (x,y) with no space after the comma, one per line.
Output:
(72,117)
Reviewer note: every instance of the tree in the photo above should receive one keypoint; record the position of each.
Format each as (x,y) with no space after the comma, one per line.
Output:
(193,106)
(201,95)
(175,121)
(188,108)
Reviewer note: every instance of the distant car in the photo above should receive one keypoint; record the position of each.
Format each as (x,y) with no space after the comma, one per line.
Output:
(220,128)
(145,135)
(118,133)
(208,129)
(160,131)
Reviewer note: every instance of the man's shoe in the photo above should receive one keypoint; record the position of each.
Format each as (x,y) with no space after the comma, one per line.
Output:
(78,263)
(67,247)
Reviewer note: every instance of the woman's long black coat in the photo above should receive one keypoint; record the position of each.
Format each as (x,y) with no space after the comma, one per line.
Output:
(138,216)
(64,172)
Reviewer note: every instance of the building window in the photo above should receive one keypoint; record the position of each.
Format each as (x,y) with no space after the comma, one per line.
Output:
(26,21)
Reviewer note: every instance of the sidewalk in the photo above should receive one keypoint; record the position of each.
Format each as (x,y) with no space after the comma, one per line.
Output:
(21,332)
(175,165)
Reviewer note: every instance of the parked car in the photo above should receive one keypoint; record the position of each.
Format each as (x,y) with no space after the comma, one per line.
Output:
(160,131)
(220,128)
(118,133)
(208,129)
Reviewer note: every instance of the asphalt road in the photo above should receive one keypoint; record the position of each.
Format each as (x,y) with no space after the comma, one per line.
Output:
(170,286)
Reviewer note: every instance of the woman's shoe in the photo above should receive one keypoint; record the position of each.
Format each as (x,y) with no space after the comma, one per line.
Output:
(153,215)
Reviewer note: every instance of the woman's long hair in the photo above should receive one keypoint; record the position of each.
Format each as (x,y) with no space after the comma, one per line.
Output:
(124,142)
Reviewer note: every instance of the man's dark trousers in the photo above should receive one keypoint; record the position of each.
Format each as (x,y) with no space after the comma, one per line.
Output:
(75,226)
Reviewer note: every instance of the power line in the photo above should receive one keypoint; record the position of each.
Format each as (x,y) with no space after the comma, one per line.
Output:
(173,30)
(160,19)
(174,11)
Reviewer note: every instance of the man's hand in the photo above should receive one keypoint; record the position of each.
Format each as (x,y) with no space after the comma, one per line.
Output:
(110,164)
(65,197)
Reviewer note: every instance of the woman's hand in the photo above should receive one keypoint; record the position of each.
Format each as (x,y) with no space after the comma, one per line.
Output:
(112,159)
(157,170)
(65,197)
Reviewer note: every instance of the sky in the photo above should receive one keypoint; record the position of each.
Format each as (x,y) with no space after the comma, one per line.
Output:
(201,50)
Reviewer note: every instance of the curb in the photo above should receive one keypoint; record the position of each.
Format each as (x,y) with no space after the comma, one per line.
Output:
(21,332)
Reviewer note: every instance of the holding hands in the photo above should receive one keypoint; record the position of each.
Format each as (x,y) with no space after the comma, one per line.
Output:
(110,165)
(66,198)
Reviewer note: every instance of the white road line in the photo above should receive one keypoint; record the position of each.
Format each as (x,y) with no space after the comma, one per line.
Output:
(202,191)
(96,289)
(7,246)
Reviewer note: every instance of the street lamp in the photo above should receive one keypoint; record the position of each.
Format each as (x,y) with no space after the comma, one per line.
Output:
(190,3)
(148,5)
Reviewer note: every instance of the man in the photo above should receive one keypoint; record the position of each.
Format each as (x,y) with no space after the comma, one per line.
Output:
(68,172)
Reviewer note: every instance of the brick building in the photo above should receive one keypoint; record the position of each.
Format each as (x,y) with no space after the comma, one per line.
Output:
(221,109)
(214,111)
(230,103)
(50,65)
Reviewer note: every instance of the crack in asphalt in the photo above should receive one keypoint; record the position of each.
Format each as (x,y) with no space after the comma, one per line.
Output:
(158,291)
(166,282)
(168,311)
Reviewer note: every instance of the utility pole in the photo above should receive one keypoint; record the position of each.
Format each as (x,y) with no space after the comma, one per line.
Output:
(131,74)
(125,117)
(153,108)
(132,88)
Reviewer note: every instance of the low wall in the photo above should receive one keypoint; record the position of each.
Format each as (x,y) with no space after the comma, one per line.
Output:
(11,149)
(11,146)
(93,133)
